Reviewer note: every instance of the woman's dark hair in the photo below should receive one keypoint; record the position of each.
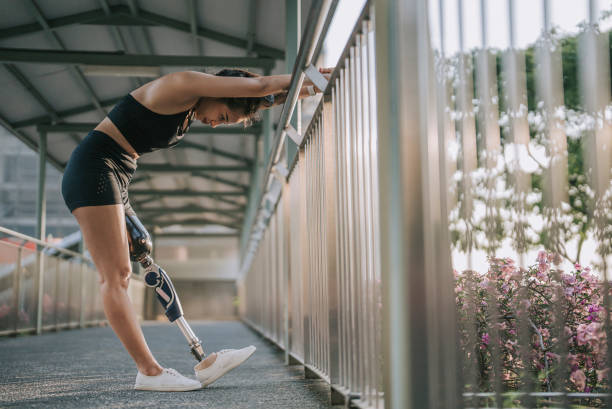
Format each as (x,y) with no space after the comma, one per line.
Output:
(248,106)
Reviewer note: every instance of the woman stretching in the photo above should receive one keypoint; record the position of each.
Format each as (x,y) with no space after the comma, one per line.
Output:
(95,189)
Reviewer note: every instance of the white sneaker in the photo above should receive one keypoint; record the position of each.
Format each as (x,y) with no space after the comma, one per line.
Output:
(167,381)
(227,359)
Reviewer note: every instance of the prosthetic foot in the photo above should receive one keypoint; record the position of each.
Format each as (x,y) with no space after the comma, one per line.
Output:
(140,250)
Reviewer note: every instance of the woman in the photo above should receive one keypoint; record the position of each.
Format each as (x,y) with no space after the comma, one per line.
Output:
(95,183)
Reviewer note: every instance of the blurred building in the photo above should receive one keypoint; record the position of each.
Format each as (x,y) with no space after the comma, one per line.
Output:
(19,187)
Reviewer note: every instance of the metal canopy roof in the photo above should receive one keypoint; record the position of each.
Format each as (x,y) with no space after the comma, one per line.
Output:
(65,63)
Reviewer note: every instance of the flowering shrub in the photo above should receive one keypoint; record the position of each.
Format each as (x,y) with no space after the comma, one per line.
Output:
(538,325)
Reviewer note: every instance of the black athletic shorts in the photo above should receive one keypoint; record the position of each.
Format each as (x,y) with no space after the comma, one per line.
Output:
(98,173)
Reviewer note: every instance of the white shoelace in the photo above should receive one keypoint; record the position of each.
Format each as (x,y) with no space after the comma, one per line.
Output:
(171,372)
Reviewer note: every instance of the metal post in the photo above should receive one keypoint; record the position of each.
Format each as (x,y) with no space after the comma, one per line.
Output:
(330,225)
(82,305)
(594,81)
(516,109)
(40,226)
(403,104)
(56,293)
(293,23)
(17,288)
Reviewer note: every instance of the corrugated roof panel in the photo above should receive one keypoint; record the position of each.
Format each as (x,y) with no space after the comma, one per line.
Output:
(53,9)
(58,86)
(87,38)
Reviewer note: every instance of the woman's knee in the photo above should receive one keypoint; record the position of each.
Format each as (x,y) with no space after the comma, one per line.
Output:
(118,277)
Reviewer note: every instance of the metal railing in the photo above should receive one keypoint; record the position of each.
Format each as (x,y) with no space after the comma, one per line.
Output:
(313,286)
(416,162)
(45,287)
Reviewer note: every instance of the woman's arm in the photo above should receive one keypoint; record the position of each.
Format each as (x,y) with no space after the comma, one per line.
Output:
(281,97)
(198,84)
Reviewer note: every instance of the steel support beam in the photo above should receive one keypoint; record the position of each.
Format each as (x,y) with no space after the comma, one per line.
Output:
(76,73)
(189,209)
(63,114)
(221,180)
(215,151)
(170,168)
(182,193)
(190,222)
(120,15)
(16,72)
(126,60)
(157,197)
(227,182)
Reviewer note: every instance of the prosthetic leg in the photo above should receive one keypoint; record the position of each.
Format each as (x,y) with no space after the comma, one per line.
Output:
(140,250)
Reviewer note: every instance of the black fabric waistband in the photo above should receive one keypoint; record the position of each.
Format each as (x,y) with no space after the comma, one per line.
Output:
(101,142)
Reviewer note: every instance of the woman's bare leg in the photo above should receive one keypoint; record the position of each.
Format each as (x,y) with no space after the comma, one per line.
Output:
(105,234)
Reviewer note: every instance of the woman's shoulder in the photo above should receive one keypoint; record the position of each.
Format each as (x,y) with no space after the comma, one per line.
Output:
(165,94)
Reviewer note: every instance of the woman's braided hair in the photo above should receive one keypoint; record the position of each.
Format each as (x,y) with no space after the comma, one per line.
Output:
(247,106)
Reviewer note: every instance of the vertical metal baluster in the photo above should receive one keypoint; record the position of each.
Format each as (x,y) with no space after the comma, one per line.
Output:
(364,250)
(467,130)
(516,94)
(342,160)
(17,288)
(312,273)
(488,118)
(352,306)
(355,186)
(303,251)
(594,81)
(56,294)
(84,304)
(343,234)
(369,351)
(334,205)
(306,261)
(327,268)
(339,282)
(355,224)
(376,313)
(406,118)
(317,245)
(549,87)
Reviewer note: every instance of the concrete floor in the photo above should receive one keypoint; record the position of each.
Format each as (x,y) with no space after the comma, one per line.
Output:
(89,368)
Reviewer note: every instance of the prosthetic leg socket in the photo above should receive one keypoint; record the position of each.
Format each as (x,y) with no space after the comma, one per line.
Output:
(155,277)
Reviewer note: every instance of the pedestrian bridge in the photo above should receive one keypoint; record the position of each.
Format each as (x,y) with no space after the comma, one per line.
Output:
(89,368)
(433,231)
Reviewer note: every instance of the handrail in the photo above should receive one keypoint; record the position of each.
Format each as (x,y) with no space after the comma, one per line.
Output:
(43,243)
(317,25)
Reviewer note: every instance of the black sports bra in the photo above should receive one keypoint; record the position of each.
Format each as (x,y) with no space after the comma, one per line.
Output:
(145,130)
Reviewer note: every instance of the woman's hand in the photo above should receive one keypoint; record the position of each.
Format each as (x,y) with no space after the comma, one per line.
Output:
(326,70)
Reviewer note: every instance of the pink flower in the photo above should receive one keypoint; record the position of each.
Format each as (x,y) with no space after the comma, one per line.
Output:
(579,379)
(542,257)
(485,338)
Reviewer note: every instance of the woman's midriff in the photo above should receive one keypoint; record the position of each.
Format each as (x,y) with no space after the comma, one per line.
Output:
(109,128)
